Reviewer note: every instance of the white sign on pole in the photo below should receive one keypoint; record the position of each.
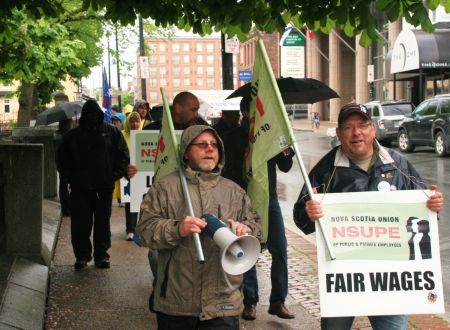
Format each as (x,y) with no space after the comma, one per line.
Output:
(370,73)
(232,45)
(387,255)
(144,146)
(143,64)
(292,60)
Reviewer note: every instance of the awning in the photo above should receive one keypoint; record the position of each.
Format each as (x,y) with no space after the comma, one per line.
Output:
(414,50)
(215,99)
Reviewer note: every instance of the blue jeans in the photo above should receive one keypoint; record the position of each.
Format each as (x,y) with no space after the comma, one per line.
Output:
(379,322)
(277,246)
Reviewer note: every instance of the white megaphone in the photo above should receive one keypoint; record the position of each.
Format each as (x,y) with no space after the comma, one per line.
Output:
(239,254)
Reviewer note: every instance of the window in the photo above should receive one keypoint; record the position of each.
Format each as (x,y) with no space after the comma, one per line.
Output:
(163,82)
(199,70)
(210,71)
(176,48)
(445,106)
(187,81)
(210,82)
(152,71)
(199,47)
(431,109)
(154,96)
(152,60)
(210,59)
(176,59)
(186,70)
(186,47)
(176,71)
(200,81)
(376,111)
(152,82)
(176,82)
(199,58)
(7,105)
(210,48)
(162,71)
(162,47)
(186,59)
(162,58)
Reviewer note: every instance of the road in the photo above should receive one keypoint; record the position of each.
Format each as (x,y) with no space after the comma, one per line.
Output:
(431,168)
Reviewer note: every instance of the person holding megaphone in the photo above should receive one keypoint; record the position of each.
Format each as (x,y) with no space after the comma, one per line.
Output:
(190,294)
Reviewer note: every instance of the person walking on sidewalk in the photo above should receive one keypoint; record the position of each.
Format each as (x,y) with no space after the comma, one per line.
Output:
(190,295)
(184,114)
(92,156)
(132,123)
(359,164)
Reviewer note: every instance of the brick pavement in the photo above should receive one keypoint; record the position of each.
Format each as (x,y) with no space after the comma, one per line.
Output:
(304,289)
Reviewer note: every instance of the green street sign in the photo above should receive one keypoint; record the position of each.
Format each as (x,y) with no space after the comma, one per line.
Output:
(294,39)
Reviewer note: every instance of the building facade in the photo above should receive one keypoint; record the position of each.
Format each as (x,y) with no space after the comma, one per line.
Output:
(182,63)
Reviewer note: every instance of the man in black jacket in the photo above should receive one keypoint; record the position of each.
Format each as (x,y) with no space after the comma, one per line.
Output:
(359,164)
(92,156)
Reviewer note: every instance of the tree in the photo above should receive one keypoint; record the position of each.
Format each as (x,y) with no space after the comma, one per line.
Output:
(40,53)
(237,17)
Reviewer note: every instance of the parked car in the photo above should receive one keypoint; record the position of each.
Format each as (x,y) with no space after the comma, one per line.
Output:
(387,117)
(428,126)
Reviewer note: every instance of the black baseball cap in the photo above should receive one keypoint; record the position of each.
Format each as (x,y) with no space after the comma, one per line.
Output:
(352,108)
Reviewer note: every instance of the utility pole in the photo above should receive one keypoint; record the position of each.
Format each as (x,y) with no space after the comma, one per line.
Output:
(227,66)
(142,53)
(119,97)
(109,66)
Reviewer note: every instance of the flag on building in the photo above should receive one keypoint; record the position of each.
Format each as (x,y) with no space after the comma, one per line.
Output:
(106,99)
(270,132)
(167,156)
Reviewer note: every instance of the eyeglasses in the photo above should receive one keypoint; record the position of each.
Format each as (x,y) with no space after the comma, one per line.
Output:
(362,127)
(204,145)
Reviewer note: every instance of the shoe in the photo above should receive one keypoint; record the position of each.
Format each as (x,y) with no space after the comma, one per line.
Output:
(279,309)
(249,312)
(80,264)
(102,263)
(130,236)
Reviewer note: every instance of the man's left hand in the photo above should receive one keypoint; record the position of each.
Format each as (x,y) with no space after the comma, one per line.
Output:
(238,227)
(436,201)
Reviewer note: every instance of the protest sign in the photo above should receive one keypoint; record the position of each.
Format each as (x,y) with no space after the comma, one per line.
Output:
(144,147)
(387,255)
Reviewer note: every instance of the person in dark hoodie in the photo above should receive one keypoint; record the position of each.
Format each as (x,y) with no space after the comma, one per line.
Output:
(143,109)
(92,156)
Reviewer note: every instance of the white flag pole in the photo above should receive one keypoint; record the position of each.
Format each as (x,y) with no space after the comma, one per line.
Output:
(311,193)
(187,197)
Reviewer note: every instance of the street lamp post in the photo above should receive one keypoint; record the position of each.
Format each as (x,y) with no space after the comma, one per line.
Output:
(142,53)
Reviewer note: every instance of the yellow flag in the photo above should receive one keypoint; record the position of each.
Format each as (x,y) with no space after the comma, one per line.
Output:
(270,132)
(167,157)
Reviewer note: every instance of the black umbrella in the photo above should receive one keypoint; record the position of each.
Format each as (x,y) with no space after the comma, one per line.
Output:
(295,90)
(59,112)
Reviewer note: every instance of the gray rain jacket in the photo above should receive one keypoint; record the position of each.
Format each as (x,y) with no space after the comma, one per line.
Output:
(184,286)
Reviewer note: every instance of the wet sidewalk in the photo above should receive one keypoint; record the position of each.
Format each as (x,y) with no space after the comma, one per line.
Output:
(117,298)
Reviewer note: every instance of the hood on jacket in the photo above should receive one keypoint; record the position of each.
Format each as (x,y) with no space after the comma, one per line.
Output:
(127,128)
(126,124)
(127,109)
(91,115)
(191,133)
(138,103)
